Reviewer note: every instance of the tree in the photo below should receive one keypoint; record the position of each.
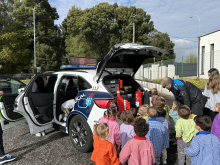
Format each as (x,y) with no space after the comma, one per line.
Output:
(191,58)
(92,32)
(161,40)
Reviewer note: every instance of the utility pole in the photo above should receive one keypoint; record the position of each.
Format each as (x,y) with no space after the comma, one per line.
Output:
(133,32)
(35,68)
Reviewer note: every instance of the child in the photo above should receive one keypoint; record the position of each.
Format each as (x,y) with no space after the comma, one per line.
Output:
(134,113)
(185,131)
(154,95)
(205,147)
(126,128)
(118,118)
(139,150)
(66,107)
(161,118)
(216,123)
(142,112)
(156,133)
(114,130)
(104,152)
(161,101)
(173,118)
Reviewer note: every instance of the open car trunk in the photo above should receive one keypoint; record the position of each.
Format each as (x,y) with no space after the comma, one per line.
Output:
(128,88)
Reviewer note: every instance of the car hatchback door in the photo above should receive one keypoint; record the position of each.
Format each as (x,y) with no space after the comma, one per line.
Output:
(11,89)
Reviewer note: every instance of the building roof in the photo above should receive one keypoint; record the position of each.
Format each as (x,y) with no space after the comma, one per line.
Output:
(210,33)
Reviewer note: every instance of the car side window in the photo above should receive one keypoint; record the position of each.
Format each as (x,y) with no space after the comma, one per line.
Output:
(83,84)
(11,86)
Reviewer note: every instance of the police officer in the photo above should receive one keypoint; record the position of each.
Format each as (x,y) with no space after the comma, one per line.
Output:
(185,93)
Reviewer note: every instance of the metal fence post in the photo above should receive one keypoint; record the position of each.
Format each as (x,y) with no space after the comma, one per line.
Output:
(182,66)
(148,71)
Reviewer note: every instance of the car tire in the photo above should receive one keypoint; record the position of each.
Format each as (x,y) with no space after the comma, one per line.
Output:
(80,134)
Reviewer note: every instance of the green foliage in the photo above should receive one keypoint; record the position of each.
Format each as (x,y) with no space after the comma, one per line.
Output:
(95,30)
(191,58)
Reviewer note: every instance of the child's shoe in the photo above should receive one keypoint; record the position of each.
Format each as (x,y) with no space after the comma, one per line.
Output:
(7,158)
(60,117)
(38,134)
(43,133)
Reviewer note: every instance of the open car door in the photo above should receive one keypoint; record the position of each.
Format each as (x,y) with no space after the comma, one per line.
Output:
(11,89)
(37,103)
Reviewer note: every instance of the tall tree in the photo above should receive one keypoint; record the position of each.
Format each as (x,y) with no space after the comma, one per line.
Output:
(191,58)
(95,30)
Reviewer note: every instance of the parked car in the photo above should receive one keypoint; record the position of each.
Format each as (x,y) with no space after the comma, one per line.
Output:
(94,89)
(22,76)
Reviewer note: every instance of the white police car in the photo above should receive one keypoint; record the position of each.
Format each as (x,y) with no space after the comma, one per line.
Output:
(94,89)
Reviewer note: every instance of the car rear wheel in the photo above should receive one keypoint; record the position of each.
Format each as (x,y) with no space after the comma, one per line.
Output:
(80,134)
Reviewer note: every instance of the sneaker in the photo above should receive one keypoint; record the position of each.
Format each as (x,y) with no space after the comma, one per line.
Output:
(60,117)
(7,158)
(43,133)
(64,118)
(38,134)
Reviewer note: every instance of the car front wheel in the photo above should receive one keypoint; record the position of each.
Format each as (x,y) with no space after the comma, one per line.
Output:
(80,134)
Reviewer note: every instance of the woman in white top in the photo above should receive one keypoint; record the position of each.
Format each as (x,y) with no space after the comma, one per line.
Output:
(212,90)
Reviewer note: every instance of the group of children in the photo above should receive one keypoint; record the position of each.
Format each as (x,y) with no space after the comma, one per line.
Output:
(141,137)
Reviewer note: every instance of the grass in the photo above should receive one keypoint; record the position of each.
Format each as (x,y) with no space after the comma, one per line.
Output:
(200,83)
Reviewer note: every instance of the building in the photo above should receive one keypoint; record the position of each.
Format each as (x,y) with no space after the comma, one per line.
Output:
(209,53)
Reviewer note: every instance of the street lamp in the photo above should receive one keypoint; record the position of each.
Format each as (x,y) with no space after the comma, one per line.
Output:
(198,42)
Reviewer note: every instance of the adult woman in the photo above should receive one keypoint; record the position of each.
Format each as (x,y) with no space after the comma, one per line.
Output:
(212,90)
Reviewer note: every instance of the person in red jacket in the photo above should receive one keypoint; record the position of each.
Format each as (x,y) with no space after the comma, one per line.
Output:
(104,152)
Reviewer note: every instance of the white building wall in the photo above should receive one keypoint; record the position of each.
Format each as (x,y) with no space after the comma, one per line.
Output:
(207,40)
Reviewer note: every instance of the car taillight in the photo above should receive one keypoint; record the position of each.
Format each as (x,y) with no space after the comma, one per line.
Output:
(103,103)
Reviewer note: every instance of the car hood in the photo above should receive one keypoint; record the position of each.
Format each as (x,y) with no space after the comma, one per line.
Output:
(127,57)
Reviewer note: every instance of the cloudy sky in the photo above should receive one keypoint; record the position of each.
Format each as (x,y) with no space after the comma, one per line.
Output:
(169,16)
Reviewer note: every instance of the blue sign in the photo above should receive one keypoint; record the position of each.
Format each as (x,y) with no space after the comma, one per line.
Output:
(86,66)
(68,66)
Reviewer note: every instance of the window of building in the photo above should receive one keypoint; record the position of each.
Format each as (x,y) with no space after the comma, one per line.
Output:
(203,60)
(212,56)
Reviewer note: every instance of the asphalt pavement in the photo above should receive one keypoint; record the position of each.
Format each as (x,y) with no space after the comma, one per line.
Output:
(53,149)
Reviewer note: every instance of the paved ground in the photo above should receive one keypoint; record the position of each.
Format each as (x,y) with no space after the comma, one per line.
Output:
(53,149)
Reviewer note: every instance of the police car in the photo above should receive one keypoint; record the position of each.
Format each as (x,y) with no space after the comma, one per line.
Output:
(39,103)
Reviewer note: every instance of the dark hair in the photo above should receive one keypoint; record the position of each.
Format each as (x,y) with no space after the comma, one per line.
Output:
(118,115)
(160,101)
(111,111)
(184,112)
(134,111)
(141,128)
(204,122)
(160,110)
(127,117)
(152,112)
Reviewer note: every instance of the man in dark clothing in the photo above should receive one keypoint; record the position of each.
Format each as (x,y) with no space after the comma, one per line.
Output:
(185,93)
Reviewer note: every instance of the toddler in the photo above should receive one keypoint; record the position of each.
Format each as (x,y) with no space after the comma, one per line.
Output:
(139,150)
(161,101)
(142,112)
(104,152)
(126,128)
(161,118)
(154,95)
(173,118)
(205,147)
(216,123)
(185,131)
(156,133)
(134,113)
(114,130)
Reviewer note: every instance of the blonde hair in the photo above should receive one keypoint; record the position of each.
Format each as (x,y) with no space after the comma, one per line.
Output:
(218,105)
(143,110)
(214,81)
(101,130)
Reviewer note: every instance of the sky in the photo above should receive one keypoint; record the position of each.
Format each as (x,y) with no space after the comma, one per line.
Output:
(169,16)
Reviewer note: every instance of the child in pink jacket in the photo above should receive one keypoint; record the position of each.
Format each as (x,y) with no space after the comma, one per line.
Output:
(114,129)
(138,150)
